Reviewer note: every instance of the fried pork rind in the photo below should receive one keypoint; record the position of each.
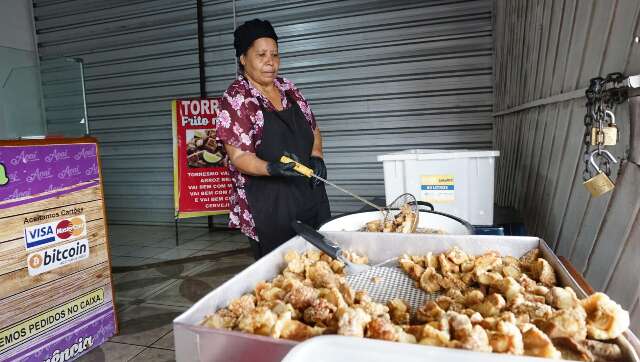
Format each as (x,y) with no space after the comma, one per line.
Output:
(602,351)
(321,275)
(267,291)
(570,349)
(298,331)
(352,321)
(243,304)
(506,338)
(354,257)
(446,265)
(430,312)
(562,298)
(320,312)
(529,257)
(381,328)
(222,319)
(568,323)
(537,344)
(543,272)
(410,267)
(301,296)
(466,335)
(430,280)
(605,318)
(487,303)
(433,337)
(398,311)
(259,320)
(457,256)
(492,305)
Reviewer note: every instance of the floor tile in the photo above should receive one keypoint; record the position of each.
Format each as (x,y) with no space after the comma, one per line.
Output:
(227,246)
(110,351)
(165,342)
(144,324)
(117,261)
(155,355)
(196,244)
(173,254)
(122,250)
(141,284)
(191,289)
(216,235)
(148,251)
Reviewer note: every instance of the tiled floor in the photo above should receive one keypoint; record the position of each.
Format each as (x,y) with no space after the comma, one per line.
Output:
(133,245)
(149,298)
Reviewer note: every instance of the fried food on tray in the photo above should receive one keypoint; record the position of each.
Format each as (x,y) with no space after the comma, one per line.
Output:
(404,222)
(488,303)
(605,318)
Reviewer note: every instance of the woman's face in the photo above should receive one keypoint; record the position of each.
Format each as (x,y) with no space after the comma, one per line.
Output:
(261,61)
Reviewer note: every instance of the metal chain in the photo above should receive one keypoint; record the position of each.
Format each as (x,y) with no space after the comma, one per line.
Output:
(601,96)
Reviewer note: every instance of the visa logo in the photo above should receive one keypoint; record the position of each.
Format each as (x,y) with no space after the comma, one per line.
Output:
(55,231)
(39,235)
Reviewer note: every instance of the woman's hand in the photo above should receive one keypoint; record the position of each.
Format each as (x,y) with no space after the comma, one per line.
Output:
(282,169)
(250,164)
(319,169)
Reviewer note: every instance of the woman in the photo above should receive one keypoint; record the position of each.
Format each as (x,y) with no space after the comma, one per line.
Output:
(262,118)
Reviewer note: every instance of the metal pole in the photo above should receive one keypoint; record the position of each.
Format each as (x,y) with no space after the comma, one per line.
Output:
(84,97)
(176,227)
(634,129)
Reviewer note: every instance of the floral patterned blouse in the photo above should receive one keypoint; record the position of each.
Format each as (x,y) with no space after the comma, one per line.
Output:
(240,125)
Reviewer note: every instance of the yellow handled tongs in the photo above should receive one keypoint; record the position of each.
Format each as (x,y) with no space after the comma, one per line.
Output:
(306,171)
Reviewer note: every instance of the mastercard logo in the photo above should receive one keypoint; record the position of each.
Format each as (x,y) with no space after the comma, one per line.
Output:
(70,228)
(35,261)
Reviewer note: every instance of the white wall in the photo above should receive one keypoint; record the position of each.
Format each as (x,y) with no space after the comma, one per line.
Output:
(16,25)
(20,89)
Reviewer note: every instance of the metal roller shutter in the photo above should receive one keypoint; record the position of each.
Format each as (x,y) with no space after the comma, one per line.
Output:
(381,76)
(138,56)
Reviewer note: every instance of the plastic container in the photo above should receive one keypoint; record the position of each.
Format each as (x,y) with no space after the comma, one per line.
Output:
(341,348)
(457,182)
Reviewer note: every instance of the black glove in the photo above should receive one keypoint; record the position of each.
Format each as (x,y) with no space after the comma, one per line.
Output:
(282,169)
(319,168)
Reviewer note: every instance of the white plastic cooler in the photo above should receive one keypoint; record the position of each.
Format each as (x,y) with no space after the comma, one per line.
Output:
(458,182)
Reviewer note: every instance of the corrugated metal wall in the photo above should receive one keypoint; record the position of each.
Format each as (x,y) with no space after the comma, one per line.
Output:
(381,76)
(552,47)
(138,56)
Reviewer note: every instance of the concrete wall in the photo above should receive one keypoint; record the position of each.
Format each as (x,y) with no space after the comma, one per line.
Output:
(20,94)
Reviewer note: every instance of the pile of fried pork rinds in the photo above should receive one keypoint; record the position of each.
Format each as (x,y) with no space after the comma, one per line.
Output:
(486,303)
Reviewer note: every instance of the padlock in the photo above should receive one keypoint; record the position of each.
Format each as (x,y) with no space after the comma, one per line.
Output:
(599,184)
(597,136)
(610,132)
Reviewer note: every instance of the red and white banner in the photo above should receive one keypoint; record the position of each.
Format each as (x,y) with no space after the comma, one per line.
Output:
(201,180)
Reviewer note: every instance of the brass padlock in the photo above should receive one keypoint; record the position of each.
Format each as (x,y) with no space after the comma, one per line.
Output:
(610,132)
(599,184)
(597,136)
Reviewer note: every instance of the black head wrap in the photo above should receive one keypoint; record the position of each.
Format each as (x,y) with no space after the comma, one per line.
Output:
(251,30)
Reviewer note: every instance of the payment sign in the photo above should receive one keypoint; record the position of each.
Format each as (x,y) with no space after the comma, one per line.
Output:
(56,231)
(45,260)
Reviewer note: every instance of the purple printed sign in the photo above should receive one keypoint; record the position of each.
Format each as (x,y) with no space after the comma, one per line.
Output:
(73,340)
(33,170)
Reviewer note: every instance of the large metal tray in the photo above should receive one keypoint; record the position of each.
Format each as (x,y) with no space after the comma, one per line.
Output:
(196,343)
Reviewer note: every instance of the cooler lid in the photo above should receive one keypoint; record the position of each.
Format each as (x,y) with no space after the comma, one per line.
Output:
(436,154)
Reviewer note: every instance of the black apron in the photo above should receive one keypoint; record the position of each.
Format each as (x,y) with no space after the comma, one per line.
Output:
(276,201)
